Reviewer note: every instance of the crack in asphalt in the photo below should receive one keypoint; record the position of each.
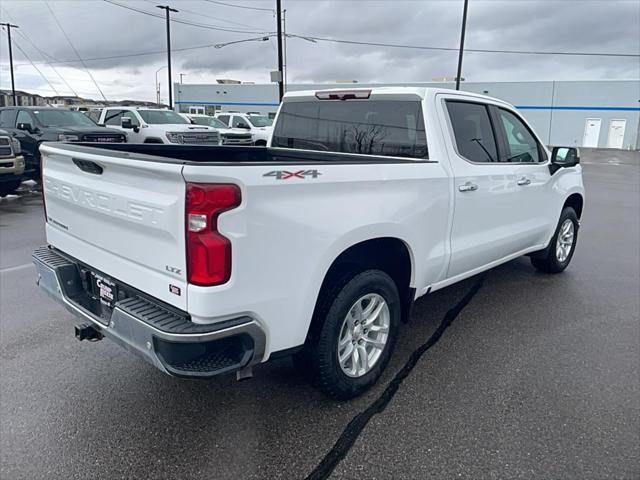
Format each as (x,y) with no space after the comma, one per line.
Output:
(355,427)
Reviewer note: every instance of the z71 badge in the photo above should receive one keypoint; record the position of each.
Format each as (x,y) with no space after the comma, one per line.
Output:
(286,175)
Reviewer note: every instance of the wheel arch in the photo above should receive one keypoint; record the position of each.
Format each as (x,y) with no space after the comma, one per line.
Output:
(575,201)
(390,254)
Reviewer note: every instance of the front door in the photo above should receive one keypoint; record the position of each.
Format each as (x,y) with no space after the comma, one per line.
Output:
(485,195)
(591,132)
(616,133)
(535,200)
(29,140)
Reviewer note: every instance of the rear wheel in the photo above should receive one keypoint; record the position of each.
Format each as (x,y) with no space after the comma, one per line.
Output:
(556,257)
(360,322)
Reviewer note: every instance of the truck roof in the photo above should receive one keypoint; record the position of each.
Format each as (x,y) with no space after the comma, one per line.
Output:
(388,93)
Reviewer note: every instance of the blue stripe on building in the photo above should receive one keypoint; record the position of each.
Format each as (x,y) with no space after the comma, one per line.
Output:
(519,107)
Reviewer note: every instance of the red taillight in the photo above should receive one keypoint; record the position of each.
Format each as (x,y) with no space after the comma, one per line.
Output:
(208,252)
(343,94)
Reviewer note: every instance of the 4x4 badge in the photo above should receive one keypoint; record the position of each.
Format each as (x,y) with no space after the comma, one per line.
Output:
(286,175)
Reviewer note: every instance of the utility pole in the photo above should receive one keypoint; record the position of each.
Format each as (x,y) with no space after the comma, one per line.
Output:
(464,29)
(279,19)
(13,84)
(168,9)
(284,48)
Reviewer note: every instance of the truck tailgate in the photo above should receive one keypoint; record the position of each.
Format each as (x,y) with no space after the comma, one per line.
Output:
(123,217)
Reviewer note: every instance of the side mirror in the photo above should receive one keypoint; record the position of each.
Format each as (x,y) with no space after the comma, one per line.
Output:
(125,122)
(564,157)
(26,127)
(244,125)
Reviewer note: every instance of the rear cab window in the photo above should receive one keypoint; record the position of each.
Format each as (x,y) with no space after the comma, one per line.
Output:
(370,127)
(472,130)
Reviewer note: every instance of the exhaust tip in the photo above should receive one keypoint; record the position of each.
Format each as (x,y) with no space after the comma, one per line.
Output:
(87,332)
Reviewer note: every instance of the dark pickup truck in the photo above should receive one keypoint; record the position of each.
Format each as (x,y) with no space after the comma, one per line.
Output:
(34,125)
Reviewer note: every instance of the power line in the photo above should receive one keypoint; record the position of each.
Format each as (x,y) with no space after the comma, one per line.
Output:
(240,6)
(162,52)
(34,66)
(353,42)
(200,14)
(183,22)
(452,49)
(76,51)
(44,55)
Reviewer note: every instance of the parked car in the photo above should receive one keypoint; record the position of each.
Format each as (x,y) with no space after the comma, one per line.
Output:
(34,125)
(259,126)
(316,246)
(11,164)
(227,136)
(157,125)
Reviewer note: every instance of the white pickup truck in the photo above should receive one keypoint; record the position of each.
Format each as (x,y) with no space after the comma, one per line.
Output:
(206,260)
(157,125)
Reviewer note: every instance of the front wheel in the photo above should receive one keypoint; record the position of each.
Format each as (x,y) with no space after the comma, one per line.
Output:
(358,334)
(556,257)
(9,187)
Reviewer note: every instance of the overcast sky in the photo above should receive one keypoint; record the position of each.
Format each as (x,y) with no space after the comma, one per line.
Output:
(99,29)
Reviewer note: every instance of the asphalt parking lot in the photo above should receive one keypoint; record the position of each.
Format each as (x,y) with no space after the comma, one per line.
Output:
(537,376)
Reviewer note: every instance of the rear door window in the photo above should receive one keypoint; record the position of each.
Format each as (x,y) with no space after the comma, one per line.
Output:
(370,127)
(473,132)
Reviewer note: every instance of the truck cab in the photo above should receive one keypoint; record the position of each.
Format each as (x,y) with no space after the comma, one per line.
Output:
(157,125)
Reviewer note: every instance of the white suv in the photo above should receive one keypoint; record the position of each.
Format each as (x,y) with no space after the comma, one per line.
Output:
(258,125)
(157,125)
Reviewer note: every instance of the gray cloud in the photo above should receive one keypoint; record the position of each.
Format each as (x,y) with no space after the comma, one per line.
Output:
(99,29)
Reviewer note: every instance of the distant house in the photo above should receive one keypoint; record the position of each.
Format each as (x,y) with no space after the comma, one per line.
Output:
(25,99)
(66,101)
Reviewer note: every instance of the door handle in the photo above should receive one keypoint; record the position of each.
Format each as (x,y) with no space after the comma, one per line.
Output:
(468,187)
(524,181)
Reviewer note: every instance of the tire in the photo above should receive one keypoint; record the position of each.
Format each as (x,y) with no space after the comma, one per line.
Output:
(352,377)
(7,188)
(555,259)
(261,143)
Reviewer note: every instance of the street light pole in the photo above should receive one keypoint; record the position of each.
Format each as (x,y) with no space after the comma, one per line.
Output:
(158,86)
(279,20)
(182,75)
(464,29)
(168,9)
(13,85)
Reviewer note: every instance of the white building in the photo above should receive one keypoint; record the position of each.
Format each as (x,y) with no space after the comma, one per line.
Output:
(601,113)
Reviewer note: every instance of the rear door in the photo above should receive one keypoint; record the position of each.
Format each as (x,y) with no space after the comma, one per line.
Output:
(485,193)
(121,216)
